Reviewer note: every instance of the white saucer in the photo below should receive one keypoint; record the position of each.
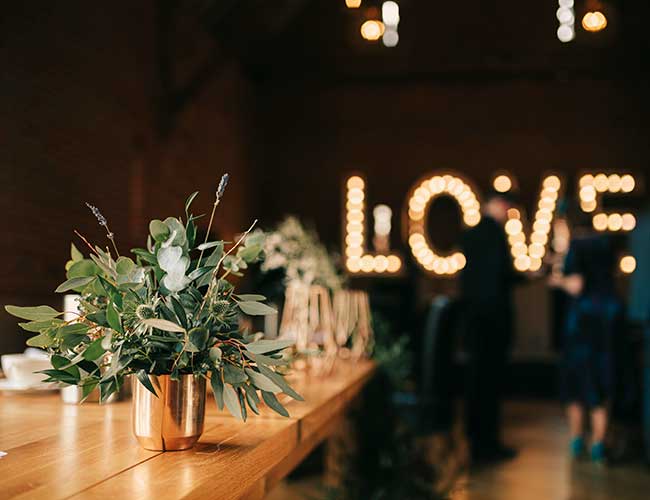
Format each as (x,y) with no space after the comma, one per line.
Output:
(13,386)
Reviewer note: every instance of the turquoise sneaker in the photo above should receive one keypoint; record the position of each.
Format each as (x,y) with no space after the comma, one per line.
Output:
(598,453)
(576,447)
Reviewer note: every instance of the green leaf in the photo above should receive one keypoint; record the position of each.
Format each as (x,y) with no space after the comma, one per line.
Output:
(38,326)
(231,400)
(60,376)
(201,271)
(62,363)
(262,382)
(179,310)
(42,340)
(273,403)
(242,403)
(124,265)
(198,337)
(248,297)
(264,346)
(106,388)
(99,318)
(215,256)
(209,244)
(253,308)
(217,388)
(143,377)
(159,230)
(74,283)
(88,387)
(265,360)
(82,268)
(113,318)
(189,201)
(145,255)
(190,233)
(72,329)
(252,398)
(38,313)
(75,254)
(279,380)
(233,374)
(174,225)
(255,238)
(72,335)
(94,350)
(163,324)
(250,253)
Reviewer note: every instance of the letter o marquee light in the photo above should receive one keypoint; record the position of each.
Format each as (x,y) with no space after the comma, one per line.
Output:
(418,209)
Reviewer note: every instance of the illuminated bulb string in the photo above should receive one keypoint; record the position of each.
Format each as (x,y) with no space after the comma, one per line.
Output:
(357,260)
(528,257)
(417,209)
(390,18)
(566,17)
(591,186)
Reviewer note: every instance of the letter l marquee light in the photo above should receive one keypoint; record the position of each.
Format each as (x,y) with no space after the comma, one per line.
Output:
(357,259)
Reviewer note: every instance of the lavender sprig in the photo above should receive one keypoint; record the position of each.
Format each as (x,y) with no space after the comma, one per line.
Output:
(221,188)
(100,218)
(103,222)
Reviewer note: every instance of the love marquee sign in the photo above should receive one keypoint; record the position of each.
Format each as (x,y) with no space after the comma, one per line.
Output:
(527,250)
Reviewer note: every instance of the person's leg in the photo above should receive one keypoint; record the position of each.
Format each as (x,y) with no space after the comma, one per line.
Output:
(598,430)
(575,416)
(576,420)
(598,424)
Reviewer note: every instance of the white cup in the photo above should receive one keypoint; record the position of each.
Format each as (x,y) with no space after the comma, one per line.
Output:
(19,368)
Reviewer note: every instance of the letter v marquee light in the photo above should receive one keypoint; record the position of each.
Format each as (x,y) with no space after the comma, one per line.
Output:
(528,257)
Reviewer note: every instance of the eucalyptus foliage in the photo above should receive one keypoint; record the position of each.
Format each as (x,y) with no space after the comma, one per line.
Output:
(167,310)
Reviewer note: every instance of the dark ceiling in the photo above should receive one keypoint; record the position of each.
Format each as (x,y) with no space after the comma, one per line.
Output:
(481,39)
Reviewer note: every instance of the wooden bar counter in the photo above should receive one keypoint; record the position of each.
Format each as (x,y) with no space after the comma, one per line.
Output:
(57,451)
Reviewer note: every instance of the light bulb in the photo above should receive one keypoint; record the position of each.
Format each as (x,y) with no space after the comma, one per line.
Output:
(628,264)
(502,183)
(594,21)
(372,30)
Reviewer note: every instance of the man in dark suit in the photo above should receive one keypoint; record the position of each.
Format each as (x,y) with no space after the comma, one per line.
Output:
(486,291)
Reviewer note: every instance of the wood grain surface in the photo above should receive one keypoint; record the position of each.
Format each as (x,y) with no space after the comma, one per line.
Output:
(57,451)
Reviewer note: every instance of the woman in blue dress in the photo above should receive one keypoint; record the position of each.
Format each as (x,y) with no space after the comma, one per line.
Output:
(595,313)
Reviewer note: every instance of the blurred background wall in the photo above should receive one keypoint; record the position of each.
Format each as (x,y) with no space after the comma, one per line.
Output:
(132,106)
(81,104)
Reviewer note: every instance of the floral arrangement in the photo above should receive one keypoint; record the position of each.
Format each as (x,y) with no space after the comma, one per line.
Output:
(300,254)
(169,310)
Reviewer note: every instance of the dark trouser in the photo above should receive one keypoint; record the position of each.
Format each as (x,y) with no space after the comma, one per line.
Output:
(487,341)
(646,389)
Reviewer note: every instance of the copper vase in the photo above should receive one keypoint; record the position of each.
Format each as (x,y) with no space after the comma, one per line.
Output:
(174,419)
